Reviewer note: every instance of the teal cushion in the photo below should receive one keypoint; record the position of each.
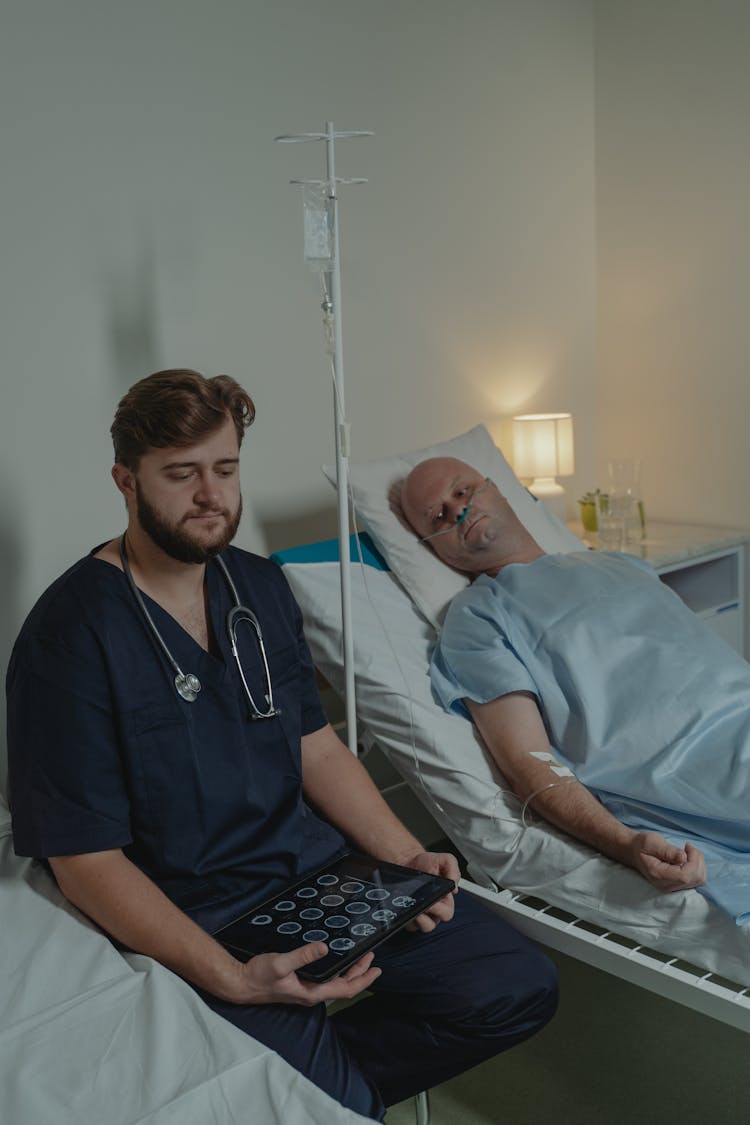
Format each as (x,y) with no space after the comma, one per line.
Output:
(328,551)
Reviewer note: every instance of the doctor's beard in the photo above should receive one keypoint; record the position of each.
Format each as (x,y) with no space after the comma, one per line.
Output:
(175,538)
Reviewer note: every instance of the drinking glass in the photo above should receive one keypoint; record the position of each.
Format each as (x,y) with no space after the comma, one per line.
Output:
(611,521)
(625,492)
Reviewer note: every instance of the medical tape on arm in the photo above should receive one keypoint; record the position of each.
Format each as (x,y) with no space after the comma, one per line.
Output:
(554,765)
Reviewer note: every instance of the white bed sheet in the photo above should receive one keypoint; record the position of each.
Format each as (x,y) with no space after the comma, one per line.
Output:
(462,788)
(92,1036)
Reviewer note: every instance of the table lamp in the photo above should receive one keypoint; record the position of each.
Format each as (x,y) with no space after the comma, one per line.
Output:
(542,451)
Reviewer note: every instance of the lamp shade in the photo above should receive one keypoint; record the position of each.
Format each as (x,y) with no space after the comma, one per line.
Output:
(543,445)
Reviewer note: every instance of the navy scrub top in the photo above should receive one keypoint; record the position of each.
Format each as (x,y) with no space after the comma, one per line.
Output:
(103,752)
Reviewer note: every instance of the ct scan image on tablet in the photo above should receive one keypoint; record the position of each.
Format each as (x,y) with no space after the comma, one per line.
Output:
(352,904)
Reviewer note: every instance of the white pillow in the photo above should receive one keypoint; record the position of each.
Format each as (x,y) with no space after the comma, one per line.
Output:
(429,582)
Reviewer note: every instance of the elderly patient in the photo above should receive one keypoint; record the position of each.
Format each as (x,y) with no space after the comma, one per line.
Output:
(607,704)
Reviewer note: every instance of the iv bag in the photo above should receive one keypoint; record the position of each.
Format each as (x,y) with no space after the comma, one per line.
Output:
(318,221)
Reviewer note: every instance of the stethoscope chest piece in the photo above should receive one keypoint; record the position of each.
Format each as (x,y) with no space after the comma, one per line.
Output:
(188,686)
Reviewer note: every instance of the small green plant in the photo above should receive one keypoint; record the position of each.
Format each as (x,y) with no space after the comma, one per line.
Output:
(587,504)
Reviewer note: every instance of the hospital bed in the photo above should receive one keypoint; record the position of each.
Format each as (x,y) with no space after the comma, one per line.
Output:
(555,889)
(91,1035)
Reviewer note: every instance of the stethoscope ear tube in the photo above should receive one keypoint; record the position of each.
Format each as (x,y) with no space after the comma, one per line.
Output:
(235,617)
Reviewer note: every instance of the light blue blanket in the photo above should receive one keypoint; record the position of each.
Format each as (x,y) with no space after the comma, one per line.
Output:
(648,706)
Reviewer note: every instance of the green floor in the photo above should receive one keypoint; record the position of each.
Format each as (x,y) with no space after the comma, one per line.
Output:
(614,1055)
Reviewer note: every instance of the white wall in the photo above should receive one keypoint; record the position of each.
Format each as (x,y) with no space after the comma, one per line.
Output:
(147,221)
(673,236)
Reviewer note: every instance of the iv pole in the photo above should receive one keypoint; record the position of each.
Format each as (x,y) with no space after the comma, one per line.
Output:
(332,311)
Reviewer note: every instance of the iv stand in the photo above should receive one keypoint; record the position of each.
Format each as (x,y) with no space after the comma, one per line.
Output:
(333,287)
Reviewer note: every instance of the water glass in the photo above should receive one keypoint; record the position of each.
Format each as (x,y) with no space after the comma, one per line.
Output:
(625,489)
(612,521)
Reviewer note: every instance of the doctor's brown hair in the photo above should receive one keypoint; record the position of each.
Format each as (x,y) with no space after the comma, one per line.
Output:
(176,408)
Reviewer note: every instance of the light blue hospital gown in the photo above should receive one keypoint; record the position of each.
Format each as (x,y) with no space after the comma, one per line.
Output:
(645,703)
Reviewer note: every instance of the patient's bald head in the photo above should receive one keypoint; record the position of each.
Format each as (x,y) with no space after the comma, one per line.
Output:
(464,517)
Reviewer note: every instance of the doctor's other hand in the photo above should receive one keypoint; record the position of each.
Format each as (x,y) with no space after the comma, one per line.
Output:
(271,978)
(668,868)
(435,863)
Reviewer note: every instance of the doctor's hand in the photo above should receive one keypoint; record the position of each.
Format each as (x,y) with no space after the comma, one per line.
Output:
(435,863)
(665,866)
(271,978)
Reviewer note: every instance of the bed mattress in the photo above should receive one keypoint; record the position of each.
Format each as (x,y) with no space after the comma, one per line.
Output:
(118,1038)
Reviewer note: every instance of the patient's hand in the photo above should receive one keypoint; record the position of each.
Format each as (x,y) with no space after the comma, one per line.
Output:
(667,867)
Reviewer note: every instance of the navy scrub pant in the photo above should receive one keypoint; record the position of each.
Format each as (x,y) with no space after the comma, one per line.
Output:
(444,1002)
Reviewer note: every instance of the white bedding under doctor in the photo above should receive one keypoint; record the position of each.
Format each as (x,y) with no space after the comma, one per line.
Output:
(92,1035)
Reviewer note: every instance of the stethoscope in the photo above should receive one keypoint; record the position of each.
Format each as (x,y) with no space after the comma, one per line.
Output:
(187,684)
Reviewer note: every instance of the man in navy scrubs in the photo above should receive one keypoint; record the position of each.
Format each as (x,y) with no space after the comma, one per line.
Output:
(164,817)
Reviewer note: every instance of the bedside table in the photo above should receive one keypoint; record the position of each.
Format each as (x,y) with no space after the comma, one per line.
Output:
(704,565)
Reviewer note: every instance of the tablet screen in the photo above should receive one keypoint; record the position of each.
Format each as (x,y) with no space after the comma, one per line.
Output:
(352,904)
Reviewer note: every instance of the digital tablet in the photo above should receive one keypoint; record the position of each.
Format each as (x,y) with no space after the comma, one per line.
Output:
(352,904)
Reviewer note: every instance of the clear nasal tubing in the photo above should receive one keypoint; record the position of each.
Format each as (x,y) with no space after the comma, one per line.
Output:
(462,515)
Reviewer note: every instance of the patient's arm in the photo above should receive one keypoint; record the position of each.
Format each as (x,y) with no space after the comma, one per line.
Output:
(512,728)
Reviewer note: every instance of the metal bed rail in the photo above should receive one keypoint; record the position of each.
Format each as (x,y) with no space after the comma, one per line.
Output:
(671,977)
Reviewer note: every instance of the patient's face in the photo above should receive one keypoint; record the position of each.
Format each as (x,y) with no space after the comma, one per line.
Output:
(434,496)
